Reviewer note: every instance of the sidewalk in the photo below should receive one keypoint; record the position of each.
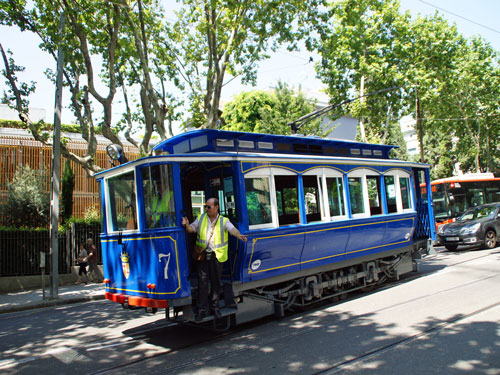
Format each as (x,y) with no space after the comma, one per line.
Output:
(33,299)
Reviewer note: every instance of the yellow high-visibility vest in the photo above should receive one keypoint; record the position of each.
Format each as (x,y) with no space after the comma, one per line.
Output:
(220,236)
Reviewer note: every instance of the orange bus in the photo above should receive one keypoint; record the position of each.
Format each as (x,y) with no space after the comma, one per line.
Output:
(452,196)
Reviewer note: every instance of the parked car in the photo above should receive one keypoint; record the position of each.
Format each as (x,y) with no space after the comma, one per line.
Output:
(478,226)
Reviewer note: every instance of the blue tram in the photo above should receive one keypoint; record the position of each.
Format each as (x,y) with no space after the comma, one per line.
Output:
(323,218)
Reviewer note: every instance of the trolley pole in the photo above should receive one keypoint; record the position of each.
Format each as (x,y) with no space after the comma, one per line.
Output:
(56,169)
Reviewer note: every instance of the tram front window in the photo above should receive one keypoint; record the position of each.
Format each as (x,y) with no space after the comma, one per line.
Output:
(158,196)
(123,206)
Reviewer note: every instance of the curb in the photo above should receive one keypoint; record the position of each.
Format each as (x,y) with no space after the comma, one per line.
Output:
(50,303)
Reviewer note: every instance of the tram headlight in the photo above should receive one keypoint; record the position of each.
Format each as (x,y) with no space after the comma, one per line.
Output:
(115,152)
(471,229)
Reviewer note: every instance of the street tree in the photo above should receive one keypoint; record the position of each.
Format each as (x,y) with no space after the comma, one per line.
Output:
(474,111)
(270,112)
(214,39)
(108,46)
(359,56)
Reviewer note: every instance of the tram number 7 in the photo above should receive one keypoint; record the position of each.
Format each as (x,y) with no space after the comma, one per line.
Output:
(167,261)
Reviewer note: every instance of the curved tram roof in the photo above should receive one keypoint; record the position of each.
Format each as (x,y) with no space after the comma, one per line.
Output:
(214,145)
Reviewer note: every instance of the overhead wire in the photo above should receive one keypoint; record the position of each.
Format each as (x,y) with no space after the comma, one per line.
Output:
(459,16)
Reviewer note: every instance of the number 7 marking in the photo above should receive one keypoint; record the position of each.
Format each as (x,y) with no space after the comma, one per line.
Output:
(160,256)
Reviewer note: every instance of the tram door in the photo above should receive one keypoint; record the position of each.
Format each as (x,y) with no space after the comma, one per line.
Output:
(201,181)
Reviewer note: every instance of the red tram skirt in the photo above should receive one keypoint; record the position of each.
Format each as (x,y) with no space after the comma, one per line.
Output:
(136,301)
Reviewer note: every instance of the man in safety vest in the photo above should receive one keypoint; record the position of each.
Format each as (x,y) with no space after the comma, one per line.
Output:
(212,230)
(160,207)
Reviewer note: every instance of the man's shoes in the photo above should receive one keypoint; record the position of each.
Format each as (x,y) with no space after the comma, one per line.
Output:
(200,316)
(217,314)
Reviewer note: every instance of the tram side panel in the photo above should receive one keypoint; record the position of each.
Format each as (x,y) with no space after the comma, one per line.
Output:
(153,267)
(325,243)
(272,253)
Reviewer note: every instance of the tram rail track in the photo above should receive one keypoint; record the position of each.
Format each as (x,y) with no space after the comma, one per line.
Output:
(341,364)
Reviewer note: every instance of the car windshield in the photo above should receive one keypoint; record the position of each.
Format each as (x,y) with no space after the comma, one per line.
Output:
(479,212)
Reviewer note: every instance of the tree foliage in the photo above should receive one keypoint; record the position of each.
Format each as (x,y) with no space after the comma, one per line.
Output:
(108,46)
(215,38)
(448,83)
(128,51)
(27,203)
(270,112)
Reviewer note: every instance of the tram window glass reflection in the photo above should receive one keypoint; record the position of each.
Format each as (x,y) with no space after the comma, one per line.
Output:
(312,198)
(390,193)
(197,201)
(373,183)
(404,184)
(122,202)
(356,195)
(335,191)
(158,196)
(258,201)
(287,199)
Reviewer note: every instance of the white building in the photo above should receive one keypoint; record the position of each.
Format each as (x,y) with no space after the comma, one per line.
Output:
(407,124)
(36,114)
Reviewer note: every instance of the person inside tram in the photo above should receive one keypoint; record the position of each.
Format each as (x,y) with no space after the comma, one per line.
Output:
(160,206)
(212,238)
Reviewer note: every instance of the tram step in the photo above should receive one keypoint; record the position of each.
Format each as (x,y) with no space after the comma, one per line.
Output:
(224,311)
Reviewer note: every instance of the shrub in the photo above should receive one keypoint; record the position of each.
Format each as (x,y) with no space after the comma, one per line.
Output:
(27,203)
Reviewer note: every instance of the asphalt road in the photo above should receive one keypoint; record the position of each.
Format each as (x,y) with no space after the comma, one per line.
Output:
(443,320)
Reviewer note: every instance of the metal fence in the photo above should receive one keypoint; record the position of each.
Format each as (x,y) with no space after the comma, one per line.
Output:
(21,251)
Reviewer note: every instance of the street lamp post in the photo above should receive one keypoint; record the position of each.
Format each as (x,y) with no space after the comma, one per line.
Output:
(56,169)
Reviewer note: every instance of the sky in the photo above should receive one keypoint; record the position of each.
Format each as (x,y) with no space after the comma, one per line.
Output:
(478,17)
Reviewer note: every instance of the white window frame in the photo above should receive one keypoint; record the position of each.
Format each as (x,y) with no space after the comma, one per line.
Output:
(397,174)
(322,174)
(109,221)
(363,173)
(269,173)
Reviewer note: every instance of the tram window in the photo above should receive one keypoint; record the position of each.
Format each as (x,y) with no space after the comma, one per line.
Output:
(399,194)
(390,194)
(373,183)
(158,196)
(122,202)
(335,190)
(312,198)
(356,195)
(197,201)
(404,184)
(287,199)
(258,201)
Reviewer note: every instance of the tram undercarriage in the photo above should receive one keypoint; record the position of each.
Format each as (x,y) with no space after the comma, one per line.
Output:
(251,301)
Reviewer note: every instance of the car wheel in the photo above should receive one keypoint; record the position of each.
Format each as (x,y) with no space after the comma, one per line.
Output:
(451,247)
(490,239)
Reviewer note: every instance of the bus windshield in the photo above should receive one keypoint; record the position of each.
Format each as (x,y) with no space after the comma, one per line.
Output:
(452,197)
